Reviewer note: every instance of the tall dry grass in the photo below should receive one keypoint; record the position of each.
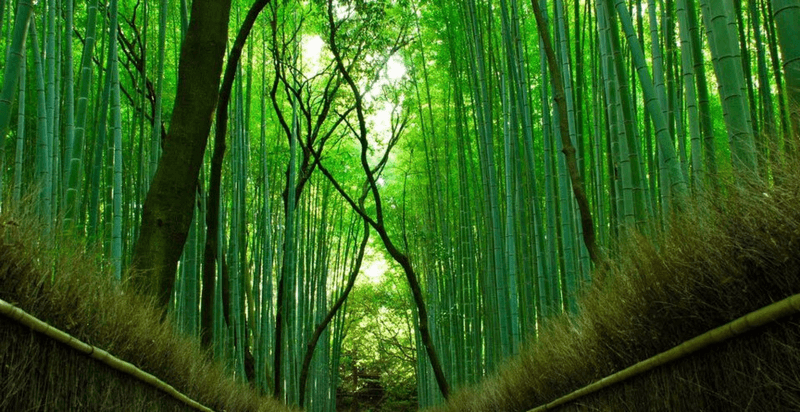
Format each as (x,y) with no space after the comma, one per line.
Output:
(725,255)
(59,283)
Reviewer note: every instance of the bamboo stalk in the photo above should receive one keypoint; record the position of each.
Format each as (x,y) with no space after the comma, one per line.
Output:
(752,320)
(16,314)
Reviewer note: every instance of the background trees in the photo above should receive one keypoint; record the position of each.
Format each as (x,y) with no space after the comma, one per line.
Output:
(440,124)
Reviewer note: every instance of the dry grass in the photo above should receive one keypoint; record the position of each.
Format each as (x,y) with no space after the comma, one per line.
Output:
(64,287)
(722,258)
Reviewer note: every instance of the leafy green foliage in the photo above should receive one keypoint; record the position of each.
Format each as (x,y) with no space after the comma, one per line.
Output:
(462,139)
(379,345)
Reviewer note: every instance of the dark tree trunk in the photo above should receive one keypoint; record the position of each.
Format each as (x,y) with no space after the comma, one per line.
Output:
(212,216)
(378,223)
(167,211)
(569,151)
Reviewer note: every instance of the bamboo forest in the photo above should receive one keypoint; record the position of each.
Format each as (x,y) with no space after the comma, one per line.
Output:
(374,204)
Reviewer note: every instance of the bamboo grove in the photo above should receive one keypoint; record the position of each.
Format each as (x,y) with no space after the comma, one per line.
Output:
(494,150)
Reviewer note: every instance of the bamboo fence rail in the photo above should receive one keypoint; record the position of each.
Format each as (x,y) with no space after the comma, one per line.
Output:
(22,317)
(752,320)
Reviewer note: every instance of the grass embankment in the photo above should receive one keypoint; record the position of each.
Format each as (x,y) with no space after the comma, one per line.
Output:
(722,258)
(65,288)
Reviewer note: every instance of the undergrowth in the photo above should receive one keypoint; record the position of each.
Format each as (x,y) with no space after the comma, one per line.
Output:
(72,290)
(723,256)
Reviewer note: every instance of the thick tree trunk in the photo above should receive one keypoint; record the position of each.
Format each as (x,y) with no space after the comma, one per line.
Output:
(167,212)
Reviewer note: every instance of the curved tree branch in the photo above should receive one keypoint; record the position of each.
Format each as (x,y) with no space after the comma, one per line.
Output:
(312,343)
(212,215)
(378,223)
(569,151)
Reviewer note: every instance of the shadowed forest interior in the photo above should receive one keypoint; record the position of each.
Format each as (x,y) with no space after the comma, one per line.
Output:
(375,204)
